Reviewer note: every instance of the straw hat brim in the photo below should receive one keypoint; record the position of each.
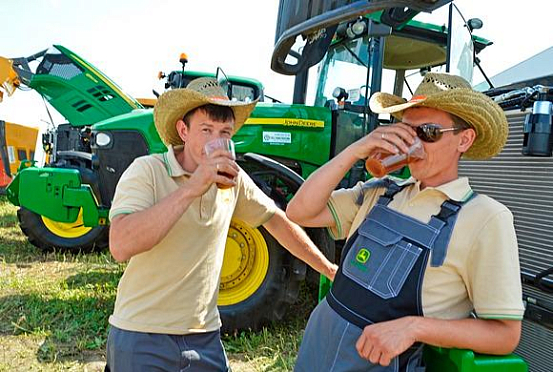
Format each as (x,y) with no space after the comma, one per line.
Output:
(477,109)
(174,104)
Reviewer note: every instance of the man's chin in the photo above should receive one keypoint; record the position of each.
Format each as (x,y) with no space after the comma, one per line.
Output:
(416,169)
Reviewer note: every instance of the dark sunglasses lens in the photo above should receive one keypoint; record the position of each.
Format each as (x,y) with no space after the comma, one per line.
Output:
(429,132)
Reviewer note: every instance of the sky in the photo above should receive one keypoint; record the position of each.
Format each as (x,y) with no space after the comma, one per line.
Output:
(130,41)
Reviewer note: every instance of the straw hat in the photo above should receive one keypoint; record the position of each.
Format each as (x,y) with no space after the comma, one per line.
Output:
(174,104)
(454,94)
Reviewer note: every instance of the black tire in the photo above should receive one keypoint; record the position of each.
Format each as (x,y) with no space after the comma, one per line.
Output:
(269,302)
(42,237)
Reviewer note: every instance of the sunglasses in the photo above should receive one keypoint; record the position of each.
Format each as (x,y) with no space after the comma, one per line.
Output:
(431,132)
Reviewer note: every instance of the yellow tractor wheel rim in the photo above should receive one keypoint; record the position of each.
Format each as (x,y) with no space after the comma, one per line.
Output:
(245,264)
(68,230)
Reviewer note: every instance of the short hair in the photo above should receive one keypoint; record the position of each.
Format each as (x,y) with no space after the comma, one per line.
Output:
(461,123)
(214,112)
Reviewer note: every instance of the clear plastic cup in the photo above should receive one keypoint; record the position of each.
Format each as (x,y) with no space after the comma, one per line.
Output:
(381,163)
(221,143)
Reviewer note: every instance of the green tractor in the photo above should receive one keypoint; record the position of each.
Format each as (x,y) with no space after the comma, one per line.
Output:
(65,204)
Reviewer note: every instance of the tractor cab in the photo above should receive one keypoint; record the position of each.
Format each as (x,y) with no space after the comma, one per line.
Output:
(358,49)
(237,88)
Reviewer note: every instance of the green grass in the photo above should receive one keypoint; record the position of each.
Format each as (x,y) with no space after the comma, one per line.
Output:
(54,310)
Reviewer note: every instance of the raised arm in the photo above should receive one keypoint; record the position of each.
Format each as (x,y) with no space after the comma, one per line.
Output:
(308,207)
(131,234)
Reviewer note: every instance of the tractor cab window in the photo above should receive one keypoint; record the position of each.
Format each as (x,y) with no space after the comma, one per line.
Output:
(420,46)
(461,61)
(243,93)
(345,68)
(239,91)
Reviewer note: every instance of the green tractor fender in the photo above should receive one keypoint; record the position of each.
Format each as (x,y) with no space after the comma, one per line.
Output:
(56,193)
(57,209)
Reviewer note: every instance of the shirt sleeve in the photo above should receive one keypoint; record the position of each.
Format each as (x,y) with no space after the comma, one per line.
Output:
(252,205)
(343,205)
(134,191)
(494,270)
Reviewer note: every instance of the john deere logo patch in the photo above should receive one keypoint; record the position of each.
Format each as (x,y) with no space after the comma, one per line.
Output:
(362,256)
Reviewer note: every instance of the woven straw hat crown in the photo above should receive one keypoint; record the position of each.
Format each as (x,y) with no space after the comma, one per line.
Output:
(175,104)
(454,95)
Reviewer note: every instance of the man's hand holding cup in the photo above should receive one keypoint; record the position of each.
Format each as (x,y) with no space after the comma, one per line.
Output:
(221,156)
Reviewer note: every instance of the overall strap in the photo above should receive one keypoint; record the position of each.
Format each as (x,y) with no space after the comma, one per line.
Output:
(391,186)
(391,191)
(445,222)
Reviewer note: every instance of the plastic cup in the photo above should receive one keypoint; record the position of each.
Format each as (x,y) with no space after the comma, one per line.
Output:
(221,143)
(381,163)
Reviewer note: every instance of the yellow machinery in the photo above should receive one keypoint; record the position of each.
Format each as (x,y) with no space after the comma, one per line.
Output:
(17,142)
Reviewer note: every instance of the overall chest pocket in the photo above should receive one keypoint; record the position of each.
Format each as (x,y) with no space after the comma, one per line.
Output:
(380,259)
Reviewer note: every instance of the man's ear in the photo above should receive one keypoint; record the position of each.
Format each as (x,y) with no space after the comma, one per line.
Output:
(182,130)
(467,138)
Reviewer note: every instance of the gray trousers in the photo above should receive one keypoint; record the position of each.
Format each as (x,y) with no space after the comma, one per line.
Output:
(328,345)
(129,351)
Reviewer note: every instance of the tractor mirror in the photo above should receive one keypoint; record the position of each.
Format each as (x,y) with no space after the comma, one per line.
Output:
(223,81)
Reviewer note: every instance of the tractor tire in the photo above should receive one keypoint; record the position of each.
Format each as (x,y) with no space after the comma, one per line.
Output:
(259,279)
(48,234)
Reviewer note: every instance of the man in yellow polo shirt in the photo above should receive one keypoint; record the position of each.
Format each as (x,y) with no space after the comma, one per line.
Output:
(170,220)
(423,255)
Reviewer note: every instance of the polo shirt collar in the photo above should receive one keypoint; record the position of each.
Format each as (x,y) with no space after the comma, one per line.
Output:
(172,165)
(458,189)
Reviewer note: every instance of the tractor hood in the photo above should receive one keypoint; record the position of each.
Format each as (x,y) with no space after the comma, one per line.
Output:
(74,87)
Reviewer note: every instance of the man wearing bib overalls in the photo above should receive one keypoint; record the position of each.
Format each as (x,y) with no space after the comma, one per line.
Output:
(427,260)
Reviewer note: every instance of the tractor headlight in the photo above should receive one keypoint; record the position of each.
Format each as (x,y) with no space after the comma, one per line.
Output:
(102,139)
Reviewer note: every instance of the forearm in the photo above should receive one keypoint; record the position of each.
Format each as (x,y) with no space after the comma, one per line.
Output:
(311,199)
(483,336)
(296,241)
(139,232)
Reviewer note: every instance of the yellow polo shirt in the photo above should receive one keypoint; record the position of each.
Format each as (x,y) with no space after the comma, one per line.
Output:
(481,271)
(173,287)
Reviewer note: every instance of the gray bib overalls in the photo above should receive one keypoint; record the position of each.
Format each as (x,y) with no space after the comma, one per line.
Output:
(379,279)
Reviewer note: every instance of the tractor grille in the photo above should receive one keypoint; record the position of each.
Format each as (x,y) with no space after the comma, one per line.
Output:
(525,185)
(113,161)
(58,65)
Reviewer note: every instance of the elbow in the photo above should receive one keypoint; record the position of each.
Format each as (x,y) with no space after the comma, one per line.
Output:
(117,250)
(510,337)
(117,253)
(293,212)
(514,339)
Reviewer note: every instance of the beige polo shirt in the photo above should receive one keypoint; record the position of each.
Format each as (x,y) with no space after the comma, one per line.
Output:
(173,287)
(481,270)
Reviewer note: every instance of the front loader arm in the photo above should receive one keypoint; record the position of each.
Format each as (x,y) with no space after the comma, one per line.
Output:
(9,79)
(16,71)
